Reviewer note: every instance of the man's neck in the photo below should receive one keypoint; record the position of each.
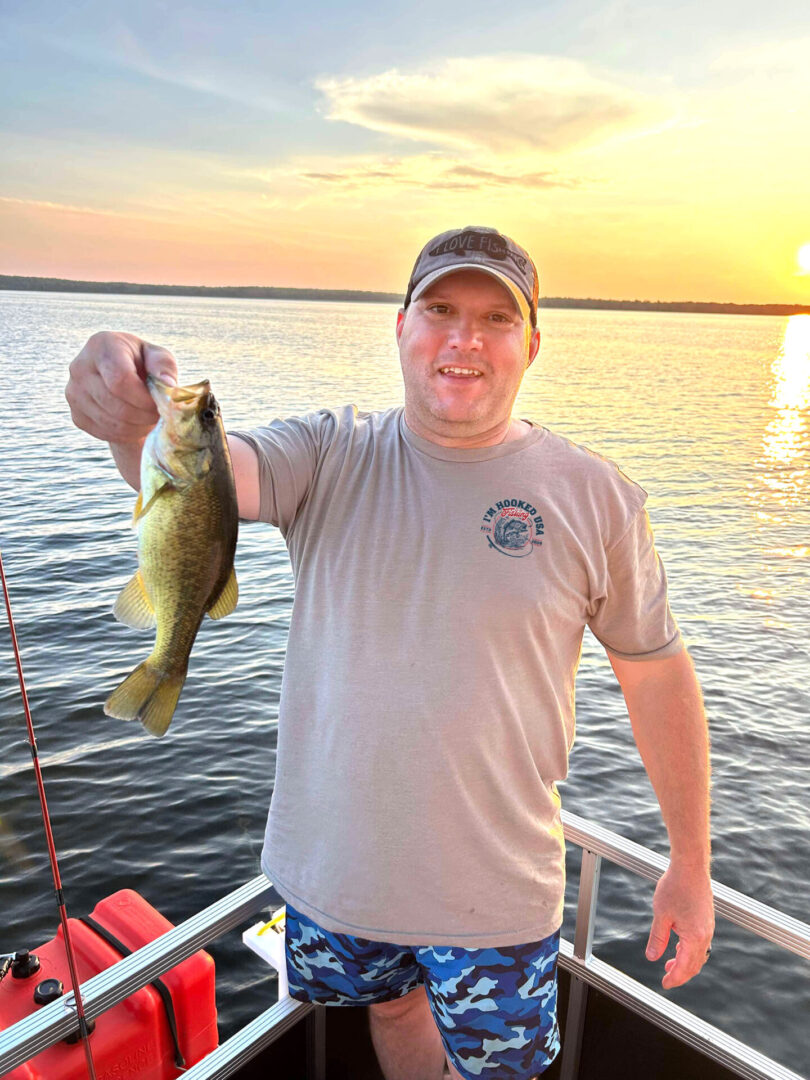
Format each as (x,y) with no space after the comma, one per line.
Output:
(506,431)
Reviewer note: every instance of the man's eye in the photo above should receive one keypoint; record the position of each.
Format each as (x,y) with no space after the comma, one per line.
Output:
(439,309)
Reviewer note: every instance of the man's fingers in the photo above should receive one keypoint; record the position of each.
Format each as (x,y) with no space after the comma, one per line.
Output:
(95,410)
(690,956)
(109,391)
(122,381)
(159,362)
(682,904)
(121,393)
(659,938)
(90,418)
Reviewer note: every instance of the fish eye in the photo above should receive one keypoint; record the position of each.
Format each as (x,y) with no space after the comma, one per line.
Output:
(208,414)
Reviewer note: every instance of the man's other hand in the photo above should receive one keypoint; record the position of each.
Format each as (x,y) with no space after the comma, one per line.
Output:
(682,903)
(107,390)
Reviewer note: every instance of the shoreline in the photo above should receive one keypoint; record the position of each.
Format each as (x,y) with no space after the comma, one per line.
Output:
(20,283)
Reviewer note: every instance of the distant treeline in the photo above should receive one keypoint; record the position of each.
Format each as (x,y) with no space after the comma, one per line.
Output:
(238,292)
(272,292)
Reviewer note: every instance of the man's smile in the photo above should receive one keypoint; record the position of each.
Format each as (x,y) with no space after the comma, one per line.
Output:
(459,372)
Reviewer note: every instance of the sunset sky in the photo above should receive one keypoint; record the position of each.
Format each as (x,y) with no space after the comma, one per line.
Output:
(638,150)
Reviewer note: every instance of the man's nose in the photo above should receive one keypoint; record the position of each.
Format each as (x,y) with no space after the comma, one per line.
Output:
(465,334)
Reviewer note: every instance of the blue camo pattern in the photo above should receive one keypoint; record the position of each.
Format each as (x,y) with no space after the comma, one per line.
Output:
(496,1008)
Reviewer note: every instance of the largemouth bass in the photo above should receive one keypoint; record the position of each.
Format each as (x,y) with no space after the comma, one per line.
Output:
(186,518)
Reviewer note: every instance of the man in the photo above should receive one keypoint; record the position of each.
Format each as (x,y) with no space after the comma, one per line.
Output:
(447,557)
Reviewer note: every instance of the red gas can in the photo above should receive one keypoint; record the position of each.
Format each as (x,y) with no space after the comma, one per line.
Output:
(133,1040)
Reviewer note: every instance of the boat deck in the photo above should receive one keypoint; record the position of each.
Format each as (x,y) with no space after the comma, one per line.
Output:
(617,1045)
(613,1027)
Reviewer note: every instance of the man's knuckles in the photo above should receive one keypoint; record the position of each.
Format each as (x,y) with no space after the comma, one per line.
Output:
(87,416)
(125,412)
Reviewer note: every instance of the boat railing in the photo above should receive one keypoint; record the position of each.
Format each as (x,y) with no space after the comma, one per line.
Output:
(55,1021)
(587,970)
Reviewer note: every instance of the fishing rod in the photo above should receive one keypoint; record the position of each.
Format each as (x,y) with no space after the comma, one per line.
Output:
(57,881)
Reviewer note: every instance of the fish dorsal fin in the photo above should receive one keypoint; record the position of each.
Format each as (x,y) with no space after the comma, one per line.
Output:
(141,510)
(226,601)
(133,606)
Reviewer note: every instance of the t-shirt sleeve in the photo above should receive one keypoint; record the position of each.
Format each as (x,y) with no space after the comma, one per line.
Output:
(630,613)
(289,452)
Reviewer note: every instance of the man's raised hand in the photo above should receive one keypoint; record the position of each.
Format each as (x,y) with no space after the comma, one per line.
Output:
(107,391)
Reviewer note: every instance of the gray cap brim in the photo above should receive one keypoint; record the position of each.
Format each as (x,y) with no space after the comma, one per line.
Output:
(436,275)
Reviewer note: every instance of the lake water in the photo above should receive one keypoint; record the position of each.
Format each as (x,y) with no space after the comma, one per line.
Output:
(710,414)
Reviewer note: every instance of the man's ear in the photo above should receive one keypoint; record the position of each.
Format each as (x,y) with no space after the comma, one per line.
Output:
(400,322)
(534,346)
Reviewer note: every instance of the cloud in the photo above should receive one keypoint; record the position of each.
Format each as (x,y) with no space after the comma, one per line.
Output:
(162,214)
(506,104)
(63,208)
(118,47)
(428,171)
(487,177)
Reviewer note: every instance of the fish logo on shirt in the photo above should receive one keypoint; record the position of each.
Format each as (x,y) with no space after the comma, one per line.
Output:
(513,527)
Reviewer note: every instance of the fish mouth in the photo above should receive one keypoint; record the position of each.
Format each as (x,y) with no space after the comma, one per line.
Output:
(165,395)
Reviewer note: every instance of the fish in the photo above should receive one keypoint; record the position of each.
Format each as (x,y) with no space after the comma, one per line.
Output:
(186,518)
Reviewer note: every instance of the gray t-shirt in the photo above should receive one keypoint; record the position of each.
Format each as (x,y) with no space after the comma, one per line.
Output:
(427,704)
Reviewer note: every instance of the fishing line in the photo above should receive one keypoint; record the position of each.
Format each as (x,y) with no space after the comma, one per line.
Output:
(57,881)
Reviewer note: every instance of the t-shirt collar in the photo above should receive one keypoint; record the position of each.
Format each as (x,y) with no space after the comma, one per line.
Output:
(479,453)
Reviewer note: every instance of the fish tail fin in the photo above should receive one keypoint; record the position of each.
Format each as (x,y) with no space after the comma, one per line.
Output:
(149,695)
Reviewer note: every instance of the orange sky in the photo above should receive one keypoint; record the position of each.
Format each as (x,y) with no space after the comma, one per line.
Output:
(622,182)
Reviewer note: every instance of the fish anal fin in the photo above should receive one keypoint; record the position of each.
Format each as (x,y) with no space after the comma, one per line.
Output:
(133,606)
(226,601)
(148,695)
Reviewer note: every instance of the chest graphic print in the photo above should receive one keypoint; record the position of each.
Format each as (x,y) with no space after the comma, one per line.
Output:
(513,527)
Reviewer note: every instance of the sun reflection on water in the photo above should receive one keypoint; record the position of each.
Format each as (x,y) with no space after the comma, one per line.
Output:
(786,439)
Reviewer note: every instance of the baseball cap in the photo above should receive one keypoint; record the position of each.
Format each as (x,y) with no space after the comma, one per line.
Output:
(477,247)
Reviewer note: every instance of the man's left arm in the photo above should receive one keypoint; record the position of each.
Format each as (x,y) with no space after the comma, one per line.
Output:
(669,725)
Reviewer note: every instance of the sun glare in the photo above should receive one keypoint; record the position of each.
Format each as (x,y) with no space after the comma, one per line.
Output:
(791,368)
(785,440)
(803,259)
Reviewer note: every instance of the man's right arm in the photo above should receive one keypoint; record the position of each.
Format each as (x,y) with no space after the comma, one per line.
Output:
(108,399)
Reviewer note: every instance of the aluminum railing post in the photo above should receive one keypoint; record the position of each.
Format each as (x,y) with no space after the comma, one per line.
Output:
(316,1043)
(583,940)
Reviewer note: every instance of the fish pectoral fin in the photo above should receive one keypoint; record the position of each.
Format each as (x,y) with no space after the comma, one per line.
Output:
(178,480)
(141,510)
(226,601)
(133,606)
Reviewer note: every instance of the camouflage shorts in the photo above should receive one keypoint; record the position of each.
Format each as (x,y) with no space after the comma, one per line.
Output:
(496,1008)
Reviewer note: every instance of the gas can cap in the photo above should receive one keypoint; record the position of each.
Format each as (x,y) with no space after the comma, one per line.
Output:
(77,1035)
(48,990)
(25,965)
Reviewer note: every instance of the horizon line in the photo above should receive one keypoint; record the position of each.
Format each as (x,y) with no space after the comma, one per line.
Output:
(30,283)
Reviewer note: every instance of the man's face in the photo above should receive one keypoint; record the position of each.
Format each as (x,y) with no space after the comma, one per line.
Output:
(464,348)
